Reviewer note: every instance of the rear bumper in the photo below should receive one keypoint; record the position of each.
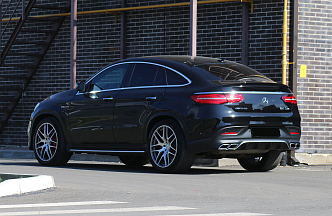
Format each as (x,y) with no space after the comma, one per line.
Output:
(244,143)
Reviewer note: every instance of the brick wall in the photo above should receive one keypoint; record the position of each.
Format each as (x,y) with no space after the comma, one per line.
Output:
(150,32)
(315,91)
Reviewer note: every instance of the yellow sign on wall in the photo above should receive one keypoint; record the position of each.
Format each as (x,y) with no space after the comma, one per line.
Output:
(303,71)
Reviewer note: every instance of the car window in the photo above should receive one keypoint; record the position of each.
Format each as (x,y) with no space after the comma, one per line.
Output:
(174,78)
(229,72)
(160,79)
(143,75)
(110,78)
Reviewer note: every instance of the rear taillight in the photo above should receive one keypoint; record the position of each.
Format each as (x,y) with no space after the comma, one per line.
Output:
(234,98)
(289,99)
(229,133)
(217,98)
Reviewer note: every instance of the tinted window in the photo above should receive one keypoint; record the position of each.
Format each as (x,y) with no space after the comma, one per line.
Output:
(143,75)
(230,72)
(109,79)
(174,78)
(161,77)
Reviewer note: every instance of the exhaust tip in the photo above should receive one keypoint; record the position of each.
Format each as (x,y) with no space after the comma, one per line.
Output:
(295,145)
(229,146)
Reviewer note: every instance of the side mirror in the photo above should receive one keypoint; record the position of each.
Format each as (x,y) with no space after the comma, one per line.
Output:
(81,87)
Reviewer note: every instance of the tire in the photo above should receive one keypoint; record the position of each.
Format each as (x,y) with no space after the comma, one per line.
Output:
(49,143)
(167,148)
(267,162)
(134,160)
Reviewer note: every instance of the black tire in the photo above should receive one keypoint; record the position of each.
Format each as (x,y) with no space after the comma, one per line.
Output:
(169,155)
(49,143)
(267,162)
(134,160)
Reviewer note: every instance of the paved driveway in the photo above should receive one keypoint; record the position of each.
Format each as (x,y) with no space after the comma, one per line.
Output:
(86,188)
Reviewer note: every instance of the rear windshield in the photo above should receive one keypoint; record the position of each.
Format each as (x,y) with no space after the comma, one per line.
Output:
(230,72)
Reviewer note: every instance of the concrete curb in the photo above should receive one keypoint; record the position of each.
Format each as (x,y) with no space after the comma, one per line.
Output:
(25,185)
(314,159)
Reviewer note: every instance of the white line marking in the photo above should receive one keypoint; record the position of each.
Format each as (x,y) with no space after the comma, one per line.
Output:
(59,204)
(223,214)
(90,211)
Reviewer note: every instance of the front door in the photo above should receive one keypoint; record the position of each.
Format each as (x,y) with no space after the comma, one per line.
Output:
(91,112)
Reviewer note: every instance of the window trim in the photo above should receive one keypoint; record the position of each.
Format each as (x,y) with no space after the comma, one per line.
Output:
(137,87)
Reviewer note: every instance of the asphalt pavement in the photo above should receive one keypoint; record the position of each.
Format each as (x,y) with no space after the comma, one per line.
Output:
(110,188)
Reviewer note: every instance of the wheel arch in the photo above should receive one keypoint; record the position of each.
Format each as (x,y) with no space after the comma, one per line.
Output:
(42,116)
(162,116)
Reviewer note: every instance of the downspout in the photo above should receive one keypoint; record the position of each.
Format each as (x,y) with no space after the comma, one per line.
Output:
(291,160)
(73,43)
(284,45)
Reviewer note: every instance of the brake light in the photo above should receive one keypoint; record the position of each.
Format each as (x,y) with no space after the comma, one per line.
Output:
(229,133)
(294,133)
(234,98)
(217,98)
(289,99)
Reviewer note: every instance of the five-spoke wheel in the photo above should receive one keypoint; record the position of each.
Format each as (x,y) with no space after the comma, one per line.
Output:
(49,143)
(46,141)
(167,149)
(163,146)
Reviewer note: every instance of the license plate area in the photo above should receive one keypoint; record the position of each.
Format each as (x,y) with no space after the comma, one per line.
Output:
(265,132)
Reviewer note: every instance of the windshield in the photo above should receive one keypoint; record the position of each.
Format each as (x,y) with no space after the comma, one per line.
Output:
(230,72)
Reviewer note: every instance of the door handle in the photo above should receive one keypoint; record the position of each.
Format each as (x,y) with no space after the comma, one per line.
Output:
(151,98)
(108,99)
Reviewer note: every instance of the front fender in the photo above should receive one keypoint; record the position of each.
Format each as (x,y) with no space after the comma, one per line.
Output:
(36,117)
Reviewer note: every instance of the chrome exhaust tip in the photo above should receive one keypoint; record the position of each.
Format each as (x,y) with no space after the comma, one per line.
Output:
(229,146)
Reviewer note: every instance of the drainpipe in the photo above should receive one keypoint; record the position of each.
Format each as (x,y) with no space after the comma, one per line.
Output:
(291,160)
(284,45)
(0,29)
(73,43)
(193,27)
(123,44)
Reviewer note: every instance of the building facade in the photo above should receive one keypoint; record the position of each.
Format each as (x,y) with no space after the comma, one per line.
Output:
(165,31)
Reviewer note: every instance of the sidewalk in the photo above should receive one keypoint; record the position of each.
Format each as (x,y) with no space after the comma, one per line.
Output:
(25,153)
(18,152)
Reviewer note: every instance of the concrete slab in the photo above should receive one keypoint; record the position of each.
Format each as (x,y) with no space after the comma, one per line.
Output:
(228,162)
(314,159)
(25,185)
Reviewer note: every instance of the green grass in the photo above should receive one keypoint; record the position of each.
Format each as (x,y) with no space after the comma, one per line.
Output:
(4,177)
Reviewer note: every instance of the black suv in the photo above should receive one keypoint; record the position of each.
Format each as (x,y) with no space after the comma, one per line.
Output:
(169,110)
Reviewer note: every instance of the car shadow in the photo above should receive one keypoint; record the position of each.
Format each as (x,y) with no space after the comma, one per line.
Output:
(119,167)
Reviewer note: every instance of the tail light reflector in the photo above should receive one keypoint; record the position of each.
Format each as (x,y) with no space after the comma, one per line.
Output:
(289,99)
(217,98)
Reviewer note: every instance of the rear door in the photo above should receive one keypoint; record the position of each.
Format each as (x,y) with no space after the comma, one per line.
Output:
(135,103)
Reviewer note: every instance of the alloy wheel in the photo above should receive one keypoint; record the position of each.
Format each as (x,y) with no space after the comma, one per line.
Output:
(163,146)
(46,141)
